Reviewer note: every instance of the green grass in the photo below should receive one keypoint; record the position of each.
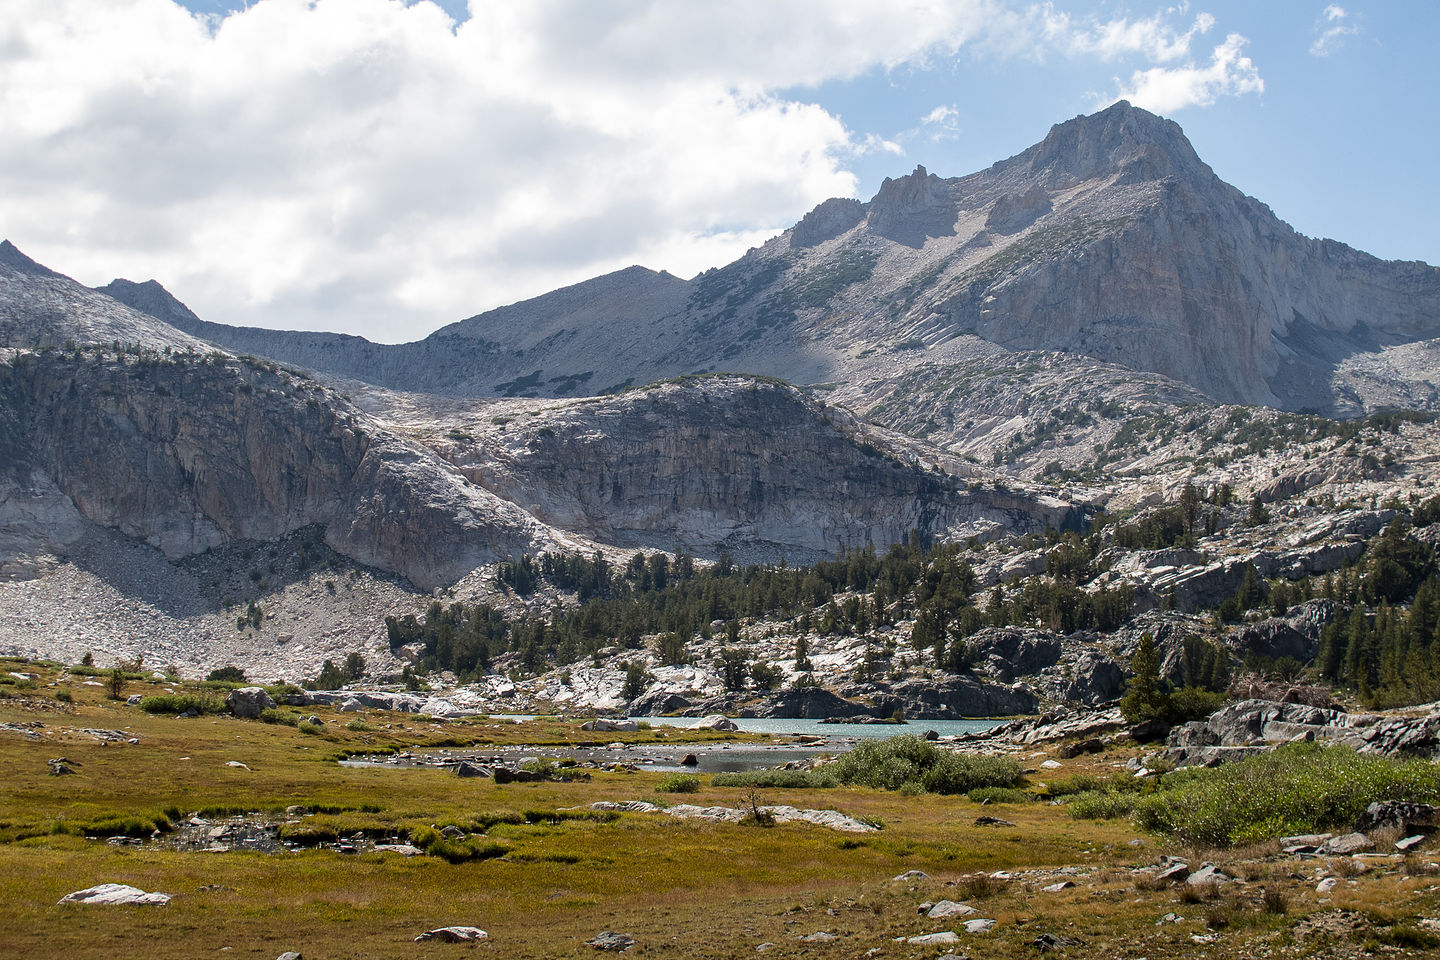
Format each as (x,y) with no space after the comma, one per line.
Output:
(678,783)
(787,779)
(915,765)
(176,703)
(1299,788)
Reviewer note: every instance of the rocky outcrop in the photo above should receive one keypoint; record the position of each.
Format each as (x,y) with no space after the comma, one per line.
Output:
(188,452)
(730,464)
(954,698)
(1247,727)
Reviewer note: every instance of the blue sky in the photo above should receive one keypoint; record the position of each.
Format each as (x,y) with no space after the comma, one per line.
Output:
(383,168)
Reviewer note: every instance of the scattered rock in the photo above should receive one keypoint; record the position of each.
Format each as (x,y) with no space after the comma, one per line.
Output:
(1350,843)
(1068,751)
(465,769)
(911,876)
(979,926)
(404,849)
(1051,765)
(716,721)
(454,935)
(1304,843)
(237,764)
(988,821)
(690,760)
(1057,887)
(819,936)
(609,940)
(1174,873)
(1207,874)
(290,955)
(933,939)
(116,893)
(1409,843)
(1326,885)
(949,908)
(1049,941)
(1402,815)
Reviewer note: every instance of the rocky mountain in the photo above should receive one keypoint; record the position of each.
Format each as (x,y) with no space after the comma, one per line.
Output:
(986,362)
(1109,240)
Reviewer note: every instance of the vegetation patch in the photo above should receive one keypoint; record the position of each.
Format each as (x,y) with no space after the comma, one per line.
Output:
(1296,789)
(914,765)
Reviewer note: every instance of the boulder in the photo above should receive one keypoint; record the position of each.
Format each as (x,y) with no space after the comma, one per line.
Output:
(1344,846)
(116,893)
(466,769)
(1406,816)
(249,701)
(954,698)
(658,703)
(609,940)
(607,725)
(716,722)
(454,935)
(949,908)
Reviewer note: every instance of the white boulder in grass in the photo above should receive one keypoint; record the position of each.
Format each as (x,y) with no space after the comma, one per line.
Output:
(116,893)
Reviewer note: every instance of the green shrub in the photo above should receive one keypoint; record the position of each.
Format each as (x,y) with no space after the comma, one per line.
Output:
(358,726)
(125,825)
(313,729)
(999,795)
(64,696)
(308,833)
(179,703)
(898,762)
(282,717)
(434,843)
(783,779)
(1102,805)
(678,783)
(1298,788)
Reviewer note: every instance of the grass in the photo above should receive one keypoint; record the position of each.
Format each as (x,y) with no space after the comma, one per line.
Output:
(913,765)
(541,871)
(1299,788)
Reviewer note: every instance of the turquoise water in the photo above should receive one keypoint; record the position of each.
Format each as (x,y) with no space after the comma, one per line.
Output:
(872,731)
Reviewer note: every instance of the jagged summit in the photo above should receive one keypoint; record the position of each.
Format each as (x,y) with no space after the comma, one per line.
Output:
(1109,240)
(152,298)
(1120,138)
(11,257)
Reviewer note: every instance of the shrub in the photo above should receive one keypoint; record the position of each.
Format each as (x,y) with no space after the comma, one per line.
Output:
(678,783)
(358,726)
(226,674)
(999,795)
(1102,805)
(313,729)
(434,843)
(1298,788)
(64,696)
(784,779)
(281,717)
(907,760)
(179,703)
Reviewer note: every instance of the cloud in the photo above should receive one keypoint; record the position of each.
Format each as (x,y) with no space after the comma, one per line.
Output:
(378,167)
(1153,37)
(1330,37)
(1166,89)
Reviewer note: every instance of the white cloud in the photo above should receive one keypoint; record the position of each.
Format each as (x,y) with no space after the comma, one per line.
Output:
(1330,37)
(372,166)
(1165,89)
(1153,38)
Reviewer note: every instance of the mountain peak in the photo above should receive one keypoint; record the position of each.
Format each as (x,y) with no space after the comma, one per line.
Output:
(152,298)
(1120,138)
(11,257)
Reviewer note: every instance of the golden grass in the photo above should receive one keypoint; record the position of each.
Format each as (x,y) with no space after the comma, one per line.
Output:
(683,888)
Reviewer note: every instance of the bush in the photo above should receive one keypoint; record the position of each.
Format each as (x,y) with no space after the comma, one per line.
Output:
(64,696)
(313,729)
(455,851)
(358,726)
(179,703)
(281,717)
(908,761)
(784,779)
(999,795)
(1102,805)
(1298,788)
(678,783)
(226,674)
